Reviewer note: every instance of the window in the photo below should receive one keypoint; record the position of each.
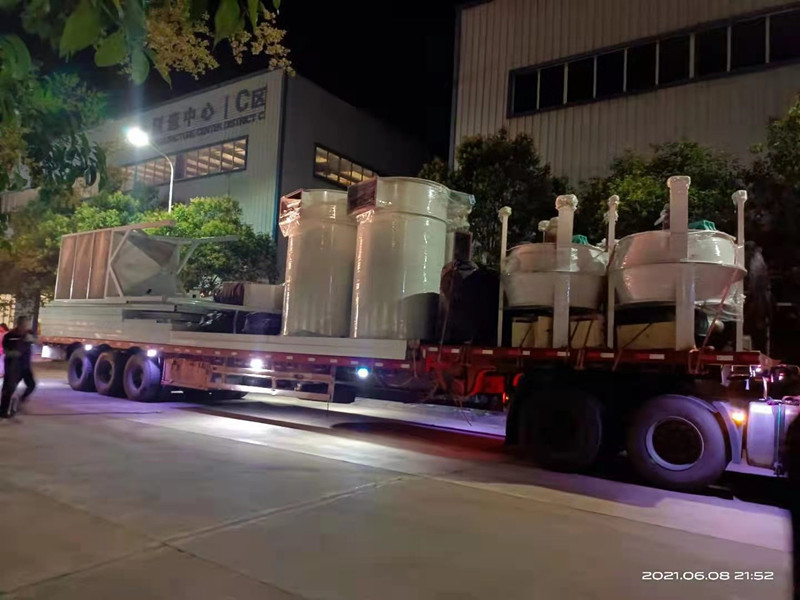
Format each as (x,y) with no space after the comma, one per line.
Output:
(339,170)
(749,43)
(784,36)
(711,52)
(209,160)
(580,80)
(525,92)
(673,60)
(610,73)
(647,64)
(641,67)
(551,86)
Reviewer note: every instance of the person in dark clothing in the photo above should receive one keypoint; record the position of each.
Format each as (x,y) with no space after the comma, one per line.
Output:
(17,355)
(792,466)
(3,331)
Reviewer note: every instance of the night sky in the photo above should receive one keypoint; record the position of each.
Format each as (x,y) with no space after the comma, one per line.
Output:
(398,69)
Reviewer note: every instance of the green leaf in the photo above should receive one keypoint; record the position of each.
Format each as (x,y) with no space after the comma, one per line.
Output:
(227,21)
(253,7)
(140,66)
(81,29)
(134,23)
(112,50)
(8,4)
(276,4)
(15,60)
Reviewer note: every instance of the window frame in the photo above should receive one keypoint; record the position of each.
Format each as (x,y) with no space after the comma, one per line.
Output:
(728,23)
(180,156)
(354,163)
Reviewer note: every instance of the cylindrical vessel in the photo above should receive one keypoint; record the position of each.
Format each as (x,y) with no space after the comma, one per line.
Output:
(531,275)
(400,253)
(319,264)
(642,270)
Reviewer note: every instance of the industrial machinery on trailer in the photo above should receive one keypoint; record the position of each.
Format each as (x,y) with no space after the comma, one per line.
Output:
(634,345)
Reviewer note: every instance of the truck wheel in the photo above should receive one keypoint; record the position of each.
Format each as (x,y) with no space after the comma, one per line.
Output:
(675,442)
(108,372)
(80,371)
(141,379)
(560,429)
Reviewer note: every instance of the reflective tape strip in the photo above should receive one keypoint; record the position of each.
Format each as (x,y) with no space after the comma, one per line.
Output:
(487,351)
(725,357)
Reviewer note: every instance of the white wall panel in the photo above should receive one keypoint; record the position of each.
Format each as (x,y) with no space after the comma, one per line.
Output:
(580,141)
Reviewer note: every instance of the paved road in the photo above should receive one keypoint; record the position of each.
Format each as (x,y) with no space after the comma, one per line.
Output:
(103,498)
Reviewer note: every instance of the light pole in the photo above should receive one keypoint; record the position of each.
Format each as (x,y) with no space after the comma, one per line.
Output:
(140,138)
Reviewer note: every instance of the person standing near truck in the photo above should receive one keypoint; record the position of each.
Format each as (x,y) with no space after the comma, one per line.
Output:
(17,359)
(3,330)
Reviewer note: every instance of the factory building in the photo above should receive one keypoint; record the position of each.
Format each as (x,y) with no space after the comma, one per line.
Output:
(257,138)
(589,79)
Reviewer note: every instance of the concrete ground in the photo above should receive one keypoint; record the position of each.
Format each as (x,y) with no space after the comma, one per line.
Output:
(108,499)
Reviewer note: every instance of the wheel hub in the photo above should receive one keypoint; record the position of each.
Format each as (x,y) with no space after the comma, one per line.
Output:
(675,443)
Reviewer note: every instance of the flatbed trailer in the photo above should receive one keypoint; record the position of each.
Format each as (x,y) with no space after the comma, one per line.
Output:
(682,416)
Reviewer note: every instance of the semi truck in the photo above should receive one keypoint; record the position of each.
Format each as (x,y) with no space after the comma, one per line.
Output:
(634,346)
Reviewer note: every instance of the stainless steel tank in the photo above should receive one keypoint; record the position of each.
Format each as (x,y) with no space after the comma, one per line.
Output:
(319,263)
(400,252)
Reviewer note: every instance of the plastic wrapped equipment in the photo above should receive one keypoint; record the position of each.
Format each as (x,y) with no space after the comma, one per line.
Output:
(400,252)
(319,263)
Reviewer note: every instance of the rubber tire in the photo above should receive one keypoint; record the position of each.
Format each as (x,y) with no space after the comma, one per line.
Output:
(80,370)
(140,367)
(705,471)
(116,361)
(540,414)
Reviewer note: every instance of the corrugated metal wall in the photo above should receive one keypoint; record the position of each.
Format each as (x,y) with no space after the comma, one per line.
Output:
(496,37)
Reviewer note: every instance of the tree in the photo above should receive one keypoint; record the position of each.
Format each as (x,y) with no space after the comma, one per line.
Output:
(251,258)
(169,35)
(29,254)
(773,223)
(640,183)
(43,120)
(500,171)
(774,183)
